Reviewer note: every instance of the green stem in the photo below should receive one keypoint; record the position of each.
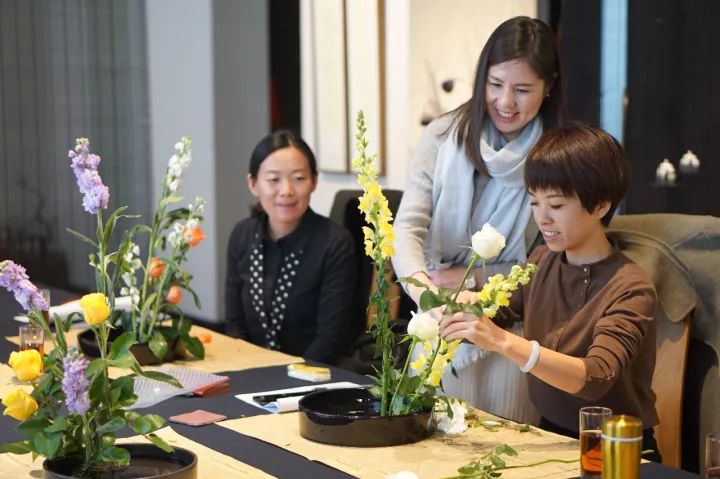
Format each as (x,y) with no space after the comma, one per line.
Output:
(484,474)
(404,371)
(386,338)
(461,286)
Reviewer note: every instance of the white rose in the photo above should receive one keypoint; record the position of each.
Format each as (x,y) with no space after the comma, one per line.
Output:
(457,424)
(423,326)
(487,242)
(402,475)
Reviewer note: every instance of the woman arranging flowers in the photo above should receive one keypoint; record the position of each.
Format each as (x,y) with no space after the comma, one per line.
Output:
(467,171)
(588,313)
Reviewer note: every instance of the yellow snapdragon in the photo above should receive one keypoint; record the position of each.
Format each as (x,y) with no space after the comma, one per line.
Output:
(379,236)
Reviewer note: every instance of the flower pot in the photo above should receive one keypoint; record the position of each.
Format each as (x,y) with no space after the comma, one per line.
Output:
(146,461)
(88,345)
(350,417)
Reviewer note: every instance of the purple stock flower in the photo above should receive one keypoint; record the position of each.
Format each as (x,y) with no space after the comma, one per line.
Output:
(84,164)
(14,279)
(74,383)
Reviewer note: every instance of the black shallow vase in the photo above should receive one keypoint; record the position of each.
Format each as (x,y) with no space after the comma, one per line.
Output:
(350,417)
(88,345)
(146,461)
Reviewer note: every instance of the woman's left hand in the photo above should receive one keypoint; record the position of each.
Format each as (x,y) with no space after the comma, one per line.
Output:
(478,330)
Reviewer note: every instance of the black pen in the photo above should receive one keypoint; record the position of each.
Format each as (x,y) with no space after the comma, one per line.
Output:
(264,399)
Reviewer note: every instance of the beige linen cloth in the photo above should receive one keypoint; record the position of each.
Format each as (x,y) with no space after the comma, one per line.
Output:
(211,464)
(439,456)
(222,353)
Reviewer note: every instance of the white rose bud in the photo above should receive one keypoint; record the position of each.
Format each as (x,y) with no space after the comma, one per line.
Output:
(454,425)
(487,243)
(423,326)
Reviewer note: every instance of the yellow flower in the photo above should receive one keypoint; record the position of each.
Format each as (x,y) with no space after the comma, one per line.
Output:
(452,348)
(369,247)
(365,204)
(502,298)
(434,378)
(19,405)
(27,364)
(95,308)
(419,363)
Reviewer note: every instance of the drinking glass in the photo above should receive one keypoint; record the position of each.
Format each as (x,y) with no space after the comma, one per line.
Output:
(590,440)
(32,337)
(46,312)
(712,455)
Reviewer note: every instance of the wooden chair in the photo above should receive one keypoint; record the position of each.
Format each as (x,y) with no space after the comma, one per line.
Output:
(676,304)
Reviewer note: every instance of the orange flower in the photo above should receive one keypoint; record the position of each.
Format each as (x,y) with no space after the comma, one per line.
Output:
(204,338)
(193,236)
(156,268)
(174,295)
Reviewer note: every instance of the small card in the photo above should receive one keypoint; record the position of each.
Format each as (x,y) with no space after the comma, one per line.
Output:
(309,373)
(198,418)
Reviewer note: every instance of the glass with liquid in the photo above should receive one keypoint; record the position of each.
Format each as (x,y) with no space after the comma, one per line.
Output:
(590,440)
(32,337)
(712,455)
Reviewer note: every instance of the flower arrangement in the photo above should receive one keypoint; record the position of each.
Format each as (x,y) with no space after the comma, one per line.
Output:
(74,407)
(163,278)
(399,392)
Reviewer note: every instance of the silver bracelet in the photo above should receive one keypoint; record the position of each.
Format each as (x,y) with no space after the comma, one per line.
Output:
(533,359)
(470,282)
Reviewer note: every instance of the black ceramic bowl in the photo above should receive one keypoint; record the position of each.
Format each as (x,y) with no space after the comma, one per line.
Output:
(350,417)
(146,461)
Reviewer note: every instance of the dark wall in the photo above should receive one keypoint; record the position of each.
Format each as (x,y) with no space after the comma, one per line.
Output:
(674,102)
(578,26)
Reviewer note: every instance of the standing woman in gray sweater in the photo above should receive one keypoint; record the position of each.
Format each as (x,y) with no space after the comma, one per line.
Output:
(467,170)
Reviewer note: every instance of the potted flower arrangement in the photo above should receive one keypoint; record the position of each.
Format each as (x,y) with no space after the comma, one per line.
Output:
(156,296)
(75,409)
(400,405)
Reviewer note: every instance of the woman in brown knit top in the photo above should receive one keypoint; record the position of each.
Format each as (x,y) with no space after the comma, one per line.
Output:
(588,311)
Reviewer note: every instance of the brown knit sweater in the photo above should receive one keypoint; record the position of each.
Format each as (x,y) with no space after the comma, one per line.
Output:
(601,313)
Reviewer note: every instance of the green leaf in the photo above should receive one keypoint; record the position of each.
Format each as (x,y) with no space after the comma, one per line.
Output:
(83,238)
(497,462)
(95,366)
(156,422)
(430,300)
(58,425)
(158,345)
(112,425)
(166,378)
(121,346)
(32,426)
(196,298)
(110,225)
(20,447)
(115,455)
(145,424)
(412,281)
(505,449)
(194,346)
(184,325)
(159,442)
(47,444)
(123,387)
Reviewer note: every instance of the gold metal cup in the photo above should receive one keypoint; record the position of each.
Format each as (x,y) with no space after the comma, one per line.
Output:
(621,446)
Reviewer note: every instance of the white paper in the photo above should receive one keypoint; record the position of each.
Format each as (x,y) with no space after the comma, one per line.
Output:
(151,392)
(288,404)
(122,303)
